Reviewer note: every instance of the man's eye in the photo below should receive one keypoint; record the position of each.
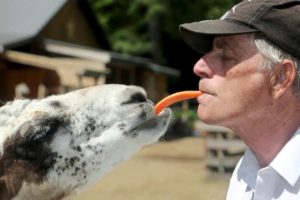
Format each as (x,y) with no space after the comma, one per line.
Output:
(227,54)
(227,57)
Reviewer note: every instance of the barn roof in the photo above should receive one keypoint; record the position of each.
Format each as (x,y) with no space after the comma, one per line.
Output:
(21,21)
(68,49)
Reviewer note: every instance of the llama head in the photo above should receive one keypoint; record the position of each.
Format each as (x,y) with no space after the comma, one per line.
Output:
(60,144)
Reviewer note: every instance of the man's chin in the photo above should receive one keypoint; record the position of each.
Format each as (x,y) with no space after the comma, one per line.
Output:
(209,117)
(204,115)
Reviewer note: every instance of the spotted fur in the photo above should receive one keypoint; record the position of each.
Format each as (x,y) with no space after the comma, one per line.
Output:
(52,148)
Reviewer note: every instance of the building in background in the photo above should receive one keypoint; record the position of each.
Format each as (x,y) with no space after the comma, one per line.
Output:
(52,47)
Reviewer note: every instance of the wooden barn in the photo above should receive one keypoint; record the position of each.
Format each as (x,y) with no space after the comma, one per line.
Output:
(50,47)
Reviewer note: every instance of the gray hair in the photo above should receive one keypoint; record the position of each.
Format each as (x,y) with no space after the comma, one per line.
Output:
(275,55)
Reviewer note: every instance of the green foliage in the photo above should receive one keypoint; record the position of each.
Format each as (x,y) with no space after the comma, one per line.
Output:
(127,23)
(190,114)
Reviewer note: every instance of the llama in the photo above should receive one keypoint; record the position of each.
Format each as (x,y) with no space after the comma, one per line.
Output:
(54,147)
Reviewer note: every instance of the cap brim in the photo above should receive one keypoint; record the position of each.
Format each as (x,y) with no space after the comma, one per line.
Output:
(199,35)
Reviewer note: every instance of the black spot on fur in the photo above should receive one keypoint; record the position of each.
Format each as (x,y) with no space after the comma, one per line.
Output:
(27,156)
(55,104)
(143,115)
(24,161)
(90,125)
(36,154)
(96,149)
(49,160)
(25,153)
(77,148)
(122,127)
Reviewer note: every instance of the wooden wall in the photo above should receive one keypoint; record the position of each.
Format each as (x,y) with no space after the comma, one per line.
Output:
(31,76)
(70,25)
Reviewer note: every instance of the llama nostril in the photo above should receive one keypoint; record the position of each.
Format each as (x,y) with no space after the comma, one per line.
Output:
(136,98)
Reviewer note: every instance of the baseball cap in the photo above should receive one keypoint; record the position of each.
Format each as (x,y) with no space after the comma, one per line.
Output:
(277,20)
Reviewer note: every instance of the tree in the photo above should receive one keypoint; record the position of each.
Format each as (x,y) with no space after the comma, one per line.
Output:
(149,28)
(139,27)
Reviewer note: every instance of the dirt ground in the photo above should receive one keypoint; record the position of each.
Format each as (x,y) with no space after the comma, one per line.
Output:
(164,171)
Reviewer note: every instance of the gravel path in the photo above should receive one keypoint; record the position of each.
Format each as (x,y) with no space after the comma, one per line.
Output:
(164,171)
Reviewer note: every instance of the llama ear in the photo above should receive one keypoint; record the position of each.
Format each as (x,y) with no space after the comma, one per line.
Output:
(5,194)
(41,126)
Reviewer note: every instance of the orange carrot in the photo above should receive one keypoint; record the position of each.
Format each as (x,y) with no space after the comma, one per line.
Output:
(174,98)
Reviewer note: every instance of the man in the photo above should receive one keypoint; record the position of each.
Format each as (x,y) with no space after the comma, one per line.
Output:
(250,76)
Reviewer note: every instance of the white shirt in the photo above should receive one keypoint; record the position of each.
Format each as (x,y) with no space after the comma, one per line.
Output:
(280,180)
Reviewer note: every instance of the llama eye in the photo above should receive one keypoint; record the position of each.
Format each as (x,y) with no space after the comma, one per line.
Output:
(25,153)
(136,98)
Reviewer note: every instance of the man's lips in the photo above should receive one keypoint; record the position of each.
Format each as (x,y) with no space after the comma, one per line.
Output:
(208,92)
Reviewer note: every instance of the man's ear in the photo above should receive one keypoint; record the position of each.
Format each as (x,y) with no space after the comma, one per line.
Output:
(282,78)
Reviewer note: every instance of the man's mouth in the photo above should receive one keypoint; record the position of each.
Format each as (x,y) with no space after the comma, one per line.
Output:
(208,92)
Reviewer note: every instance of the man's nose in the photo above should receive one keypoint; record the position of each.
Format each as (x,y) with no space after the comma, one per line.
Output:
(202,68)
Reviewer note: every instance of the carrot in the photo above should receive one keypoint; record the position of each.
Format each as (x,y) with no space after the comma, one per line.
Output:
(174,98)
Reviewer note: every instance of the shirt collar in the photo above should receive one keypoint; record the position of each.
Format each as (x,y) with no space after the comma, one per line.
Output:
(286,163)
(248,169)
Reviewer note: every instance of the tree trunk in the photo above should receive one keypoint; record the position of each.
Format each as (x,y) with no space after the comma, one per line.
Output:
(156,39)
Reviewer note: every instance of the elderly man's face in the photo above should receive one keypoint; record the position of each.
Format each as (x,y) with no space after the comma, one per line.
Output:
(234,87)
